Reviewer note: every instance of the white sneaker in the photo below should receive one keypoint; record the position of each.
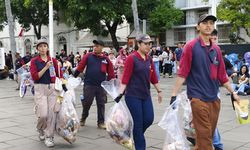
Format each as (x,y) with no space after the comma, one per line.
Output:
(41,135)
(49,142)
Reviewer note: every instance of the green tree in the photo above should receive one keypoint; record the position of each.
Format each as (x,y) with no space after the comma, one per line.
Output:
(29,13)
(164,16)
(237,13)
(3,18)
(100,16)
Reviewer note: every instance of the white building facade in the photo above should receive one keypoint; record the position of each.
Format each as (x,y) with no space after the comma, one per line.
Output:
(192,10)
(65,37)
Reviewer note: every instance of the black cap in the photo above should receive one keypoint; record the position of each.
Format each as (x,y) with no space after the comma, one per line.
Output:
(206,17)
(99,42)
(144,38)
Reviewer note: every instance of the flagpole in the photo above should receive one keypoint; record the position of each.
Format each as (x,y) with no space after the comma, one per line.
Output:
(51,30)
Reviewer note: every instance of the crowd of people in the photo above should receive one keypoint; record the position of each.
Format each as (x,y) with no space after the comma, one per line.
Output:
(199,63)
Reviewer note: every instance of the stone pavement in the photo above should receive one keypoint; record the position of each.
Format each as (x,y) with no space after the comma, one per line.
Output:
(17,124)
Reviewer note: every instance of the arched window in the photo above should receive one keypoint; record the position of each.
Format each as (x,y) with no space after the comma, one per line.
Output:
(62,40)
(62,43)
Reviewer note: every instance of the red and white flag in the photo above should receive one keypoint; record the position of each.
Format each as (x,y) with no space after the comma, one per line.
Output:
(21,32)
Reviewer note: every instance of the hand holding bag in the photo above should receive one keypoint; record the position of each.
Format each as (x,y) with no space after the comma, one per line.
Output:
(58,81)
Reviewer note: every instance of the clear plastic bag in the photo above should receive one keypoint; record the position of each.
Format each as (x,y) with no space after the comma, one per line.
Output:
(111,87)
(118,119)
(173,122)
(73,82)
(67,120)
(119,125)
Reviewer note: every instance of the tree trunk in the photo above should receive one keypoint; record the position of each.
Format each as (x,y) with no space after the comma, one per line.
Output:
(112,30)
(11,31)
(37,31)
(136,18)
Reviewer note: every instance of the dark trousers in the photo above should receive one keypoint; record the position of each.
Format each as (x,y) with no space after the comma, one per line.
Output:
(168,69)
(161,67)
(143,116)
(205,117)
(91,92)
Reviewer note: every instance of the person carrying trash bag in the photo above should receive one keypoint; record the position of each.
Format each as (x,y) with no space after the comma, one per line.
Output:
(44,71)
(118,119)
(98,69)
(68,124)
(174,122)
(139,71)
(202,67)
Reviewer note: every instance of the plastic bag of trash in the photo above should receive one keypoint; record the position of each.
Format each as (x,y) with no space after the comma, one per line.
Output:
(173,123)
(73,82)
(242,111)
(119,125)
(20,70)
(119,122)
(111,87)
(67,120)
(187,115)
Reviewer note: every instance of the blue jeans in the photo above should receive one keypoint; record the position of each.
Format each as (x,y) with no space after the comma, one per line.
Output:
(239,89)
(217,140)
(143,116)
(157,69)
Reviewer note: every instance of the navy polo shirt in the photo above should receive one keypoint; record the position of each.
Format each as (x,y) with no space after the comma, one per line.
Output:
(37,64)
(204,69)
(138,73)
(97,68)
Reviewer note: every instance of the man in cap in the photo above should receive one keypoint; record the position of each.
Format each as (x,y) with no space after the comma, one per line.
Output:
(97,66)
(203,69)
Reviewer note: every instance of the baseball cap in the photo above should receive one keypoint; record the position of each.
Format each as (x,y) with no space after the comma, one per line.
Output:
(144,38)
(99,42)
(41,41)
(206,17)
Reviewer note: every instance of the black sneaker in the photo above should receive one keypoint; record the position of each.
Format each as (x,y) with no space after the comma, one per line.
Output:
(217,148)
(242,93)
(82,122)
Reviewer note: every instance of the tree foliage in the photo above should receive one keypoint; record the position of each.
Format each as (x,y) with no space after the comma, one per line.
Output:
(237,13)
(100,16)
(3,18)
(164,16)
(103,16)
(29,13)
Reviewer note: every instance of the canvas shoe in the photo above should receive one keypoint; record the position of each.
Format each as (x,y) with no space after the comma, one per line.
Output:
(101,126)
(41,135)
(82,122)
(49,142)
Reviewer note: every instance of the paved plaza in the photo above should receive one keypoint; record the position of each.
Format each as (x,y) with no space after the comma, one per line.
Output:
(17,124)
